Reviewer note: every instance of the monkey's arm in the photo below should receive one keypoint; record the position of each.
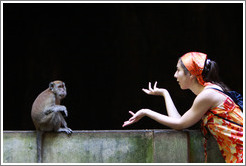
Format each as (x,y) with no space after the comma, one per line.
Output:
(56,108)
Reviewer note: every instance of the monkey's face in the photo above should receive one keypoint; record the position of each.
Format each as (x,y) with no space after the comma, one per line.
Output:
(59,89)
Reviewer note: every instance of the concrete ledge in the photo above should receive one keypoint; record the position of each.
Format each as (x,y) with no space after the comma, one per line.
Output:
(110,146)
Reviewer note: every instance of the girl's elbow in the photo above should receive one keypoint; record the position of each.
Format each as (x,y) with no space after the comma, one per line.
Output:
(179,126)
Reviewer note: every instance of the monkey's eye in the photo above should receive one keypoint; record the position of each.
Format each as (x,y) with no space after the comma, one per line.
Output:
(60,86)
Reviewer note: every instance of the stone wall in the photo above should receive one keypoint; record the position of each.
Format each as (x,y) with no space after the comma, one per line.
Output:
(111,146)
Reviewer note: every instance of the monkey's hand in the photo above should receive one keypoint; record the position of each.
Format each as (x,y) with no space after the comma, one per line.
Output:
(56,108)
(65,111)
(67,130)
(62,108)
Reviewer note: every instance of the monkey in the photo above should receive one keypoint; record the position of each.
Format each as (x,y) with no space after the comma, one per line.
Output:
(47,112)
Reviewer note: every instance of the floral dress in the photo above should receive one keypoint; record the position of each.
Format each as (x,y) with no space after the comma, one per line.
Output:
(228,135)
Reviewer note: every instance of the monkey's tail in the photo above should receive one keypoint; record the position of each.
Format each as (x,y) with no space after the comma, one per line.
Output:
(39,146)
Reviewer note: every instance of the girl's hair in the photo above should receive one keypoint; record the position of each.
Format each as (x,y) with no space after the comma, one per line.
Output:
(210,73)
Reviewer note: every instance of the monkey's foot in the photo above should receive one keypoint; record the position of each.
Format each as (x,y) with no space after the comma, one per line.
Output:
(67,130)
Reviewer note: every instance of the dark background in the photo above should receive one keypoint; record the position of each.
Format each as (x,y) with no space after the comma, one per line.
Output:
(106,53)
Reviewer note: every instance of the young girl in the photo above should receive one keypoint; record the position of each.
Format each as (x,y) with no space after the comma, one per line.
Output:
(200,75)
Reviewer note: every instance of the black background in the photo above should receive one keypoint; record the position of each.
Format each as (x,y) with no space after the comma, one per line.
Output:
(107,52)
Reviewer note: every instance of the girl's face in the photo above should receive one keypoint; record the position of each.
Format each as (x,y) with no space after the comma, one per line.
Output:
(183,79)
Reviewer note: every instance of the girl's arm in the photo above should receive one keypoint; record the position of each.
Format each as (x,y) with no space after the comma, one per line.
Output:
(201,104)
(171,109)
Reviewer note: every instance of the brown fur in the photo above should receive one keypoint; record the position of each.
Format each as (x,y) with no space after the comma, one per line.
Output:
(46,112)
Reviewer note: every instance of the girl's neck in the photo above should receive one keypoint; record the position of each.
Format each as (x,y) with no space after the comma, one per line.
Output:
(197,88)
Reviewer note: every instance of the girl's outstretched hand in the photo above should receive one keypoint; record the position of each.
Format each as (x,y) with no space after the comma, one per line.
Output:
(155,90)
(135,117)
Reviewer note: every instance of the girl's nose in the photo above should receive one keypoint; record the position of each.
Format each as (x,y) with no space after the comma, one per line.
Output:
(175,74)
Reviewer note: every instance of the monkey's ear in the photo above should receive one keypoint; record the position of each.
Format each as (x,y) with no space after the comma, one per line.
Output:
(51,85)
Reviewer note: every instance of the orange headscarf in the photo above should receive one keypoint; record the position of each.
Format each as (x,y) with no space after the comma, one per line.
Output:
(194,62)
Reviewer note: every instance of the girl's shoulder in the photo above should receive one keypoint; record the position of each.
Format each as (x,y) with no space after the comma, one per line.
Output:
(209,85)
(207,94)
(212,96)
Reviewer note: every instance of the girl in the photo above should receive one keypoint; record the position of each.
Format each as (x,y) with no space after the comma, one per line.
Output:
(200,75)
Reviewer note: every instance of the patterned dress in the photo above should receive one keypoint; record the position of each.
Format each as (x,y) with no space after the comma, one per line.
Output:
(228,135)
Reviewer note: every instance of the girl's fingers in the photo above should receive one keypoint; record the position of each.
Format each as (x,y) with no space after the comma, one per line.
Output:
(131,112)
(150,86)
(131,119)
(126,123)
(146,91)
(155,85)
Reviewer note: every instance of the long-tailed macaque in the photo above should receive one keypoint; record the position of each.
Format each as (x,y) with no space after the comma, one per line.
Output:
(46,113)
